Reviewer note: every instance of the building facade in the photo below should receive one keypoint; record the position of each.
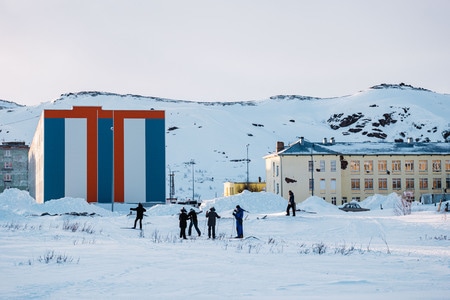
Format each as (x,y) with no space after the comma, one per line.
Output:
(99,155)
(341,172)
(14,165)
(233,188)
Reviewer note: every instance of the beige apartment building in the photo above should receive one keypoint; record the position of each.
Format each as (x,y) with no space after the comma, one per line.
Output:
(340,172)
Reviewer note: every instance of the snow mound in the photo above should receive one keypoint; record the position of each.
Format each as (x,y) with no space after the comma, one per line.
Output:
(317,205)
(18,202)
(377,201)
(255,203)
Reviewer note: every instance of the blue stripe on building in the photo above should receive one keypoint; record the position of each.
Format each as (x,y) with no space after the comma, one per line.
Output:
(155,160)
(54,158)
(104,192)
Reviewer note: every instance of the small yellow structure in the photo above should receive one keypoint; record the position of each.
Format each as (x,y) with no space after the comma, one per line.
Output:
(233,188)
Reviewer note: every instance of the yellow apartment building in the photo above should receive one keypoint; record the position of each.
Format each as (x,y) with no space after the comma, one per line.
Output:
(340,172)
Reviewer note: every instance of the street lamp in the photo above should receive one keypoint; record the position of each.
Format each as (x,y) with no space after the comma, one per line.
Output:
(247,163)
(192,163)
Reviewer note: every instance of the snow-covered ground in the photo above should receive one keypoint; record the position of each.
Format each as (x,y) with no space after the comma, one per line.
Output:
(48,252)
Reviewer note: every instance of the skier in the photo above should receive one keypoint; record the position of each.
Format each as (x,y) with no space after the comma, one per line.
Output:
(192,215)
(139,214)
(212,215)
(238,213)
(183,223)
(291,204)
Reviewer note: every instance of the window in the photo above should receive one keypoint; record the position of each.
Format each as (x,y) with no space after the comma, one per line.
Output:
(7,165)
(396,166)
(333,184)
(311,184)
(273,169)
(437,184)
(278,170)
(333,200)
(333,166)
(423,166)
(436,165)
(368,166)
(396,183)
(382,183)
(447,184)
(7,153)
(7,177)
(344,200)
(447,165)
(354,166)
(322,166)
(382,166)
(278,188)
(368,183)
(409,166)
(355,184)
(423,183)
(322,184)
(310,165)
(410,183)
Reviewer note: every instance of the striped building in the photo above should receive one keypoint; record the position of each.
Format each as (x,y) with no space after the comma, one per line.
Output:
(98,155)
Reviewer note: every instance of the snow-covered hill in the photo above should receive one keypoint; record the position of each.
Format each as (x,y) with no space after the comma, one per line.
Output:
(215,135)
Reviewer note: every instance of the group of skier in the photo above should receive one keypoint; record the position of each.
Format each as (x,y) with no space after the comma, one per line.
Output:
(212,216)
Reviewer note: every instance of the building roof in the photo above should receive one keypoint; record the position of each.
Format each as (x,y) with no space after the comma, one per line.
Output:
(302,147)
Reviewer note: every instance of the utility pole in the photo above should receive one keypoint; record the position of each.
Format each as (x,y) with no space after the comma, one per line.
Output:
(247,165)
(192,163)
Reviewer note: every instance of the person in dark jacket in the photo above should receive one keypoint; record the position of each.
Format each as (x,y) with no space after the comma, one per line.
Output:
(212,216)
(238,213)
(291,204)
(139,214)
(192,215)
(183,223)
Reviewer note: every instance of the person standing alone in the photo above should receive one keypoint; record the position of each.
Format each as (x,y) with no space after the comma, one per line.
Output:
(291,204)
(238,213)
(139,214)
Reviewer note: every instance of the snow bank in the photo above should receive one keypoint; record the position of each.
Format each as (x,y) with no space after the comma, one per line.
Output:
(318,205)
(18,202)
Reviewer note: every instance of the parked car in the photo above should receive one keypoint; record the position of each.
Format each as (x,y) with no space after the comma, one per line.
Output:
(353,207)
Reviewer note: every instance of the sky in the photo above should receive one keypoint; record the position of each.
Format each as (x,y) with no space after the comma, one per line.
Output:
(220,50)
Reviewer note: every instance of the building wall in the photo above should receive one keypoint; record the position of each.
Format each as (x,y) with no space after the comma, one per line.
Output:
(233,188)
(13,165)
(99,155)
(284,173)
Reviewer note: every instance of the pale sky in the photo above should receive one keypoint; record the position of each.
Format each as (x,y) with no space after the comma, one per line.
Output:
(207,50)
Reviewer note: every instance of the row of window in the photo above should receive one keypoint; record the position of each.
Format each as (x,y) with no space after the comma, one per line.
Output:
(396,184)
(368,166)
(396,166)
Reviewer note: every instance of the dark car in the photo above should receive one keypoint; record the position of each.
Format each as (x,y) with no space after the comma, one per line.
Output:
(353,207)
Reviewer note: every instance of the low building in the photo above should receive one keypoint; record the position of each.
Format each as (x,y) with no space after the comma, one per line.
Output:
(341,172)
(99,155)
(14,165)
(233,188)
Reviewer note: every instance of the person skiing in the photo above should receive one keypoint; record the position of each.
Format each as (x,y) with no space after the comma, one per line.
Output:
(291,204)
(183,223)
(139,214)
(238,213)
(212,216)
(192,215)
